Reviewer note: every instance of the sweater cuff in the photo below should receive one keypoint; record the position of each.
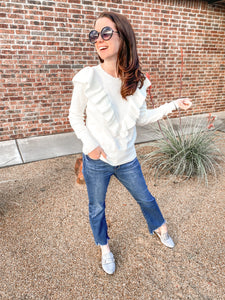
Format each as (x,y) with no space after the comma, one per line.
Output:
(175,105)
(89,146)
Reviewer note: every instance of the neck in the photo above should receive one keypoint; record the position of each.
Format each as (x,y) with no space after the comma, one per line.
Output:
(110,68)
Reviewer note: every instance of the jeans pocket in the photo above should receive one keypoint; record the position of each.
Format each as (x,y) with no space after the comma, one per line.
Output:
(90,159)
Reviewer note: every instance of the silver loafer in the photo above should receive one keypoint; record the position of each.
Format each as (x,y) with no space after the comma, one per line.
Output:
(108,263)
(165,239)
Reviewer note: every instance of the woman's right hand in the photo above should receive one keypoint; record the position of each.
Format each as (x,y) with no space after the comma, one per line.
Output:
(184,103)
(96,153)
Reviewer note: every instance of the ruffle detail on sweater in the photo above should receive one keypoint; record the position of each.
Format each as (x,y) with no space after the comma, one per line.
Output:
(134,104)
(97,95)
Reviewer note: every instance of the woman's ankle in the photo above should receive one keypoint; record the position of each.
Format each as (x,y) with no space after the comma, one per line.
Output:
(105,249)
(162,229)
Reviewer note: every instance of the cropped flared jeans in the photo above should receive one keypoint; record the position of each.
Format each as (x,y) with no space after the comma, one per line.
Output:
(97,175)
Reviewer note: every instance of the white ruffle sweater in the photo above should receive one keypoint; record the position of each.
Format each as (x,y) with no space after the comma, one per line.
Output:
(110,120)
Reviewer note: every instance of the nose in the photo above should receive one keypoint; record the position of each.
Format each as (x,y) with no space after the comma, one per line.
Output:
(99,39)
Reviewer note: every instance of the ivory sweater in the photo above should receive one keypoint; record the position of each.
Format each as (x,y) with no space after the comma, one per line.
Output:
(110,120)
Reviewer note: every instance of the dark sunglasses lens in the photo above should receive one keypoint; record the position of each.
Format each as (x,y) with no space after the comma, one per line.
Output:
(93,36)
(106,33)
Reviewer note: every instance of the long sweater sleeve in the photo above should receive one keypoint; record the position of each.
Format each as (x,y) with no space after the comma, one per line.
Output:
(152,115)
(76,118)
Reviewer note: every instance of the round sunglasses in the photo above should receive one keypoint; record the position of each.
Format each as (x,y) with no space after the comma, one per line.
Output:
(106,34)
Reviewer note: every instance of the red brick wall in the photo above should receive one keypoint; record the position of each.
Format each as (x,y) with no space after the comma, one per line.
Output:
(44,43)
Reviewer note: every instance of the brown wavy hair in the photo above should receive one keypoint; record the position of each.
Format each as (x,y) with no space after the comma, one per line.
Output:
(128,66)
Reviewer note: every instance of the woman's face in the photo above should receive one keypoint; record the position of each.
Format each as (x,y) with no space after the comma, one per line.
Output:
(107,50)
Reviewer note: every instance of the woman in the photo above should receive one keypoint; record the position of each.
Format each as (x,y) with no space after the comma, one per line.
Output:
(113,96)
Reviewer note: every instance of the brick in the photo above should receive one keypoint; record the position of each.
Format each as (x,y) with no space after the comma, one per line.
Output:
(44,43)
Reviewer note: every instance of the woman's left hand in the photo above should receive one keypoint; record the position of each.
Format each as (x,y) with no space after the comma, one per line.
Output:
(184,103)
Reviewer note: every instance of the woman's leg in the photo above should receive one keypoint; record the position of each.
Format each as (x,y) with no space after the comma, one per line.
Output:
(97,176)
(130,175)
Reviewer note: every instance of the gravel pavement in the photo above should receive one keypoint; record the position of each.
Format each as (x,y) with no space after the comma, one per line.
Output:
(47,249)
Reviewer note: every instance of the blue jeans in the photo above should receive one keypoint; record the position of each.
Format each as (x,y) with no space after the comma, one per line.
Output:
(97,175)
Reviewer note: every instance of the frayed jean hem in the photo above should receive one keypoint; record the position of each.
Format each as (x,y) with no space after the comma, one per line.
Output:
(99,244)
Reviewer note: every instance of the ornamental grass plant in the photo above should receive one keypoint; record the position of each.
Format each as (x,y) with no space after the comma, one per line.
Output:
(186,151)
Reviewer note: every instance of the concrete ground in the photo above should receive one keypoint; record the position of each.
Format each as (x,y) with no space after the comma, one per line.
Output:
(20,151)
